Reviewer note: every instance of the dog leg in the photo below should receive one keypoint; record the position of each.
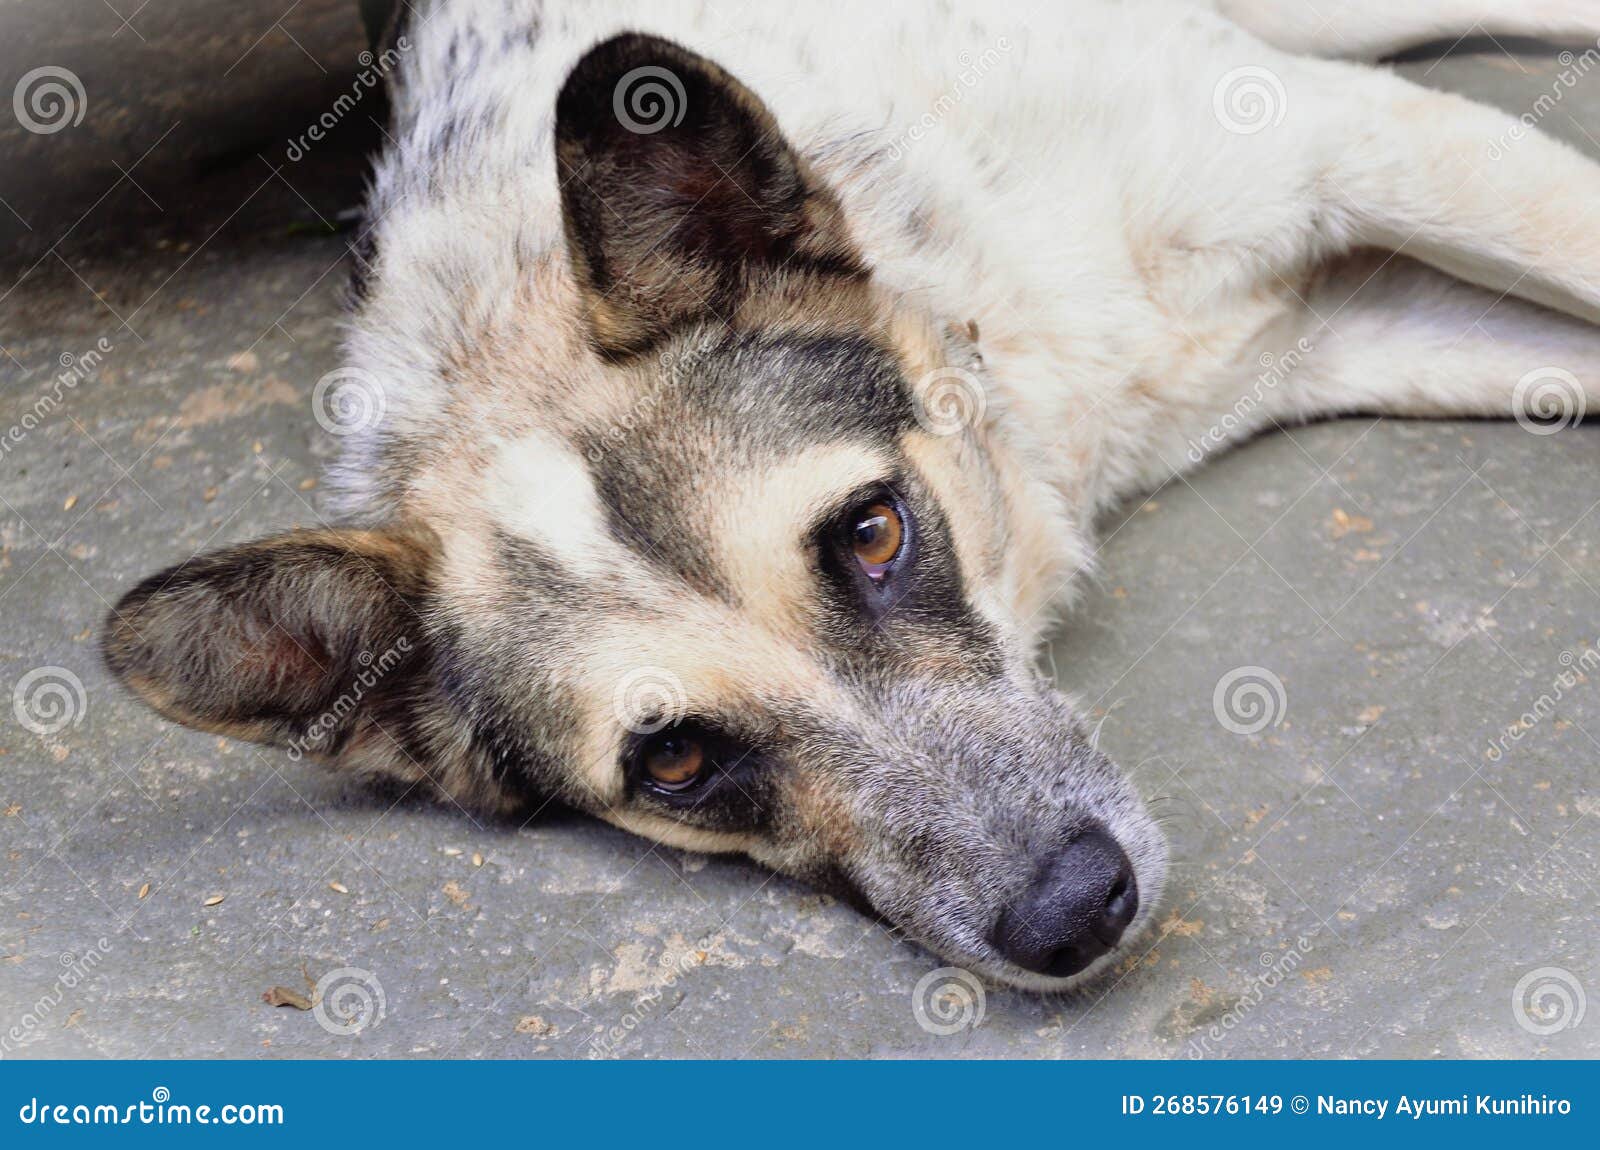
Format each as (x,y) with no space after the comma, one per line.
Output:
(1369,29)
(1389,336)
(1380,334)
(1463,187)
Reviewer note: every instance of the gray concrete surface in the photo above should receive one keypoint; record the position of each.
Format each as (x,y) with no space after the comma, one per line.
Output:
(1361,879)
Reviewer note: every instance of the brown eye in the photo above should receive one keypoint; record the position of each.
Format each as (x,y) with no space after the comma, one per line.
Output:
(876,537)
(674,760)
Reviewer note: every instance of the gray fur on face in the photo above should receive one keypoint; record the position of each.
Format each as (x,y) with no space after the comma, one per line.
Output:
(725,400)
(961,789)
(627,476)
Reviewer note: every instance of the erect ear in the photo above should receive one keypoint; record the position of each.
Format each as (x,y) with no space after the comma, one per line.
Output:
(676,185)
(295,640)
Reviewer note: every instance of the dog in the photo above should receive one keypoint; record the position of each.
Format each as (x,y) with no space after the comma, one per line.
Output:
(730,396)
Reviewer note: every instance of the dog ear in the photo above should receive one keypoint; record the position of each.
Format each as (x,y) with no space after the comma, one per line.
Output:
(297,640)
(676,188)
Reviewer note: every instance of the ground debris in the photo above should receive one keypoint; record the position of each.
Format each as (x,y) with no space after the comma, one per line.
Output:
(536,1026)
(284,996)
(1344,524)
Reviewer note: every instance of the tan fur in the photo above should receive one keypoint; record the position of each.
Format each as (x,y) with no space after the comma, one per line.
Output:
(754,521)
(603,462)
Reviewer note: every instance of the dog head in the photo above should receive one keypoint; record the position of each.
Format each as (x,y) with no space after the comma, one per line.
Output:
(702,531)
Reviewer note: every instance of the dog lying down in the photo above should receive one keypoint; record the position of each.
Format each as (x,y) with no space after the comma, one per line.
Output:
(731,393)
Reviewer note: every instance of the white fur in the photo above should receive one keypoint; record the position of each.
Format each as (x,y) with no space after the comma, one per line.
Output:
(541,490)
(1061,174)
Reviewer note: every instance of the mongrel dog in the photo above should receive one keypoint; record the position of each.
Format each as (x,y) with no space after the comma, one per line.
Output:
(743,383)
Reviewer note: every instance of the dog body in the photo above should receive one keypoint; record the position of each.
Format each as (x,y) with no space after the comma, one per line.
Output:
(736,392)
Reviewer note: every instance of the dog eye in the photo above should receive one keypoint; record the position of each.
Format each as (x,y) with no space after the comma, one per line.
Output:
(674,760)
(875,538)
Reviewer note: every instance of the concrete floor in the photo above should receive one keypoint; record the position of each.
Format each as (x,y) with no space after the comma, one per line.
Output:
(1413,586)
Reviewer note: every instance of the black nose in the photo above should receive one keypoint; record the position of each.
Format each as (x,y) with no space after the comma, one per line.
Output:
(1074,912)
